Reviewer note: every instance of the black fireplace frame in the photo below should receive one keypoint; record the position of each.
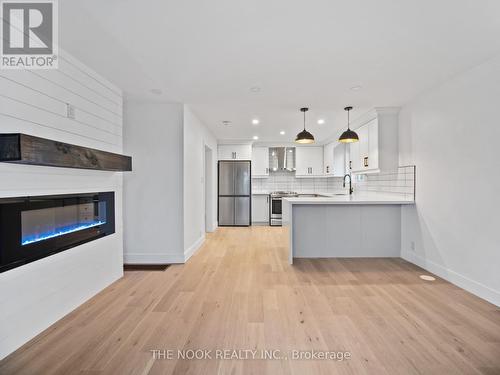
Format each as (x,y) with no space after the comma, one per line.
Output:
(13,254)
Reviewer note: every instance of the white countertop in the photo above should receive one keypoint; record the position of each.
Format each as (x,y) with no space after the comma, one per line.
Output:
(355,198)
(267,192)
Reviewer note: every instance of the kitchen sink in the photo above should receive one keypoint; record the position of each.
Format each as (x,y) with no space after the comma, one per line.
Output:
(312,196)
(318,195)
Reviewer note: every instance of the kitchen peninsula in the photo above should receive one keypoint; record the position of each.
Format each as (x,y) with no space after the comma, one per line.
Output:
(364,224)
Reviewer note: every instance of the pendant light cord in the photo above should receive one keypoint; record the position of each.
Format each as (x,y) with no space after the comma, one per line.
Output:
(304,120)
(348,122)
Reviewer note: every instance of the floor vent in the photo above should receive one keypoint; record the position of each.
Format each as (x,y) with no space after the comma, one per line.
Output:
(145,267)
(427,278)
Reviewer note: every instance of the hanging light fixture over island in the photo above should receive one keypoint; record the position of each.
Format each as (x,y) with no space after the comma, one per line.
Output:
(349,136)
(304,137)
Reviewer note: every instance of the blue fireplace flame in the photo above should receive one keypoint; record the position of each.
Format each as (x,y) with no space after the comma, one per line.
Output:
(32,238)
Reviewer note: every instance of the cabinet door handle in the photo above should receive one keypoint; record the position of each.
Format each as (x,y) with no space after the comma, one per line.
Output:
(366,161)
(267,170)
(350,164)
(234,155)
(327,169)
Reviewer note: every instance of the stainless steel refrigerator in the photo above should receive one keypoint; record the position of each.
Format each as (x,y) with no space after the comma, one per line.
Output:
(234,193)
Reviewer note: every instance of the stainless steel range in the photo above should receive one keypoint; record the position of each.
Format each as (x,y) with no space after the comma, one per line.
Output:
(275,215)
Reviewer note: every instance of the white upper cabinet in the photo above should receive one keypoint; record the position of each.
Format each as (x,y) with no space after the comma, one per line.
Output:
(361,151)
(377,148)
(363,145)
(340,162)
(235,152)
(260,162)
(309,161)
(355,156)
(373,146)
(328,159)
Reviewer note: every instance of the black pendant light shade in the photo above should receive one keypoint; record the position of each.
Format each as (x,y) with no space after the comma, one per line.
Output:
(348,136)
(304,136)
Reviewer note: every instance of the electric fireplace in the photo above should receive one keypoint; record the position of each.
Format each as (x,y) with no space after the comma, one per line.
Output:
(36,227)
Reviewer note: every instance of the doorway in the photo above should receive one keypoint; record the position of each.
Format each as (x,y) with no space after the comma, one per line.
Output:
(209,190)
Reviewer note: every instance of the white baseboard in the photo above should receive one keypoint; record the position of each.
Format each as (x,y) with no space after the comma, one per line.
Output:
(193,248)
(478,289)
(152,258)
(211,227)
(155,258)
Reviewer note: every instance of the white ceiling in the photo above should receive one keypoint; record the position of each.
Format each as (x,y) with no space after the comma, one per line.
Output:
(209,54)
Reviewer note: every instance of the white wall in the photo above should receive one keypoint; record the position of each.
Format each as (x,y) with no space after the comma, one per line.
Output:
(153,205)
(36,295)
(196,137)
(452,133)
(164,196)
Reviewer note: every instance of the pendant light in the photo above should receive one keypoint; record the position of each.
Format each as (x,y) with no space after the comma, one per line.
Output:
(304,136)
(348,136)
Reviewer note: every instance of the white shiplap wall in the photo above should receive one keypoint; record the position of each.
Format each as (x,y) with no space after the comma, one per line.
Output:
(34,102)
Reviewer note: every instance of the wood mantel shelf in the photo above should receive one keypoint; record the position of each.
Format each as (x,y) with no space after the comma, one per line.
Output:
(27,149)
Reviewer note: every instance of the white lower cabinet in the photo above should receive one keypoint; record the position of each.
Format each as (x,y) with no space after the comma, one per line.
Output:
(260,209)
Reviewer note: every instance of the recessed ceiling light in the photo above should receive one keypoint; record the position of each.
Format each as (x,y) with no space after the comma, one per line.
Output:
(156,91)
(282,132)
(321,121)
(356,88)
(226,122)
(255,137)
(255,121)
(255,89)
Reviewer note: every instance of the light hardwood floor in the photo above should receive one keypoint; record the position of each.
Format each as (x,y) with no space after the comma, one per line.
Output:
(238,292)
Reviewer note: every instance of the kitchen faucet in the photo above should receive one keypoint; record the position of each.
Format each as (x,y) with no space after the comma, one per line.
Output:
(350,183)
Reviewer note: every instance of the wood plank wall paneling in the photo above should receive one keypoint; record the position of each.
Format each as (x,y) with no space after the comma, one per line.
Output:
(39,98)
(34,102)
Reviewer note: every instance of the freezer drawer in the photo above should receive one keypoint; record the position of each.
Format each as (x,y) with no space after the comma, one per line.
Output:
(242,211)
(226,210)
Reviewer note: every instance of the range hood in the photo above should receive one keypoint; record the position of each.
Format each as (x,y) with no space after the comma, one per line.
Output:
(282,159)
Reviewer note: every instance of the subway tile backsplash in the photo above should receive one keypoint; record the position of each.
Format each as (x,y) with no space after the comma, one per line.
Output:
(286,181)
(401,181)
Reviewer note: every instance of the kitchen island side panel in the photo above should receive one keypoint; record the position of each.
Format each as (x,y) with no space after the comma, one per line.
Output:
(330,231)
